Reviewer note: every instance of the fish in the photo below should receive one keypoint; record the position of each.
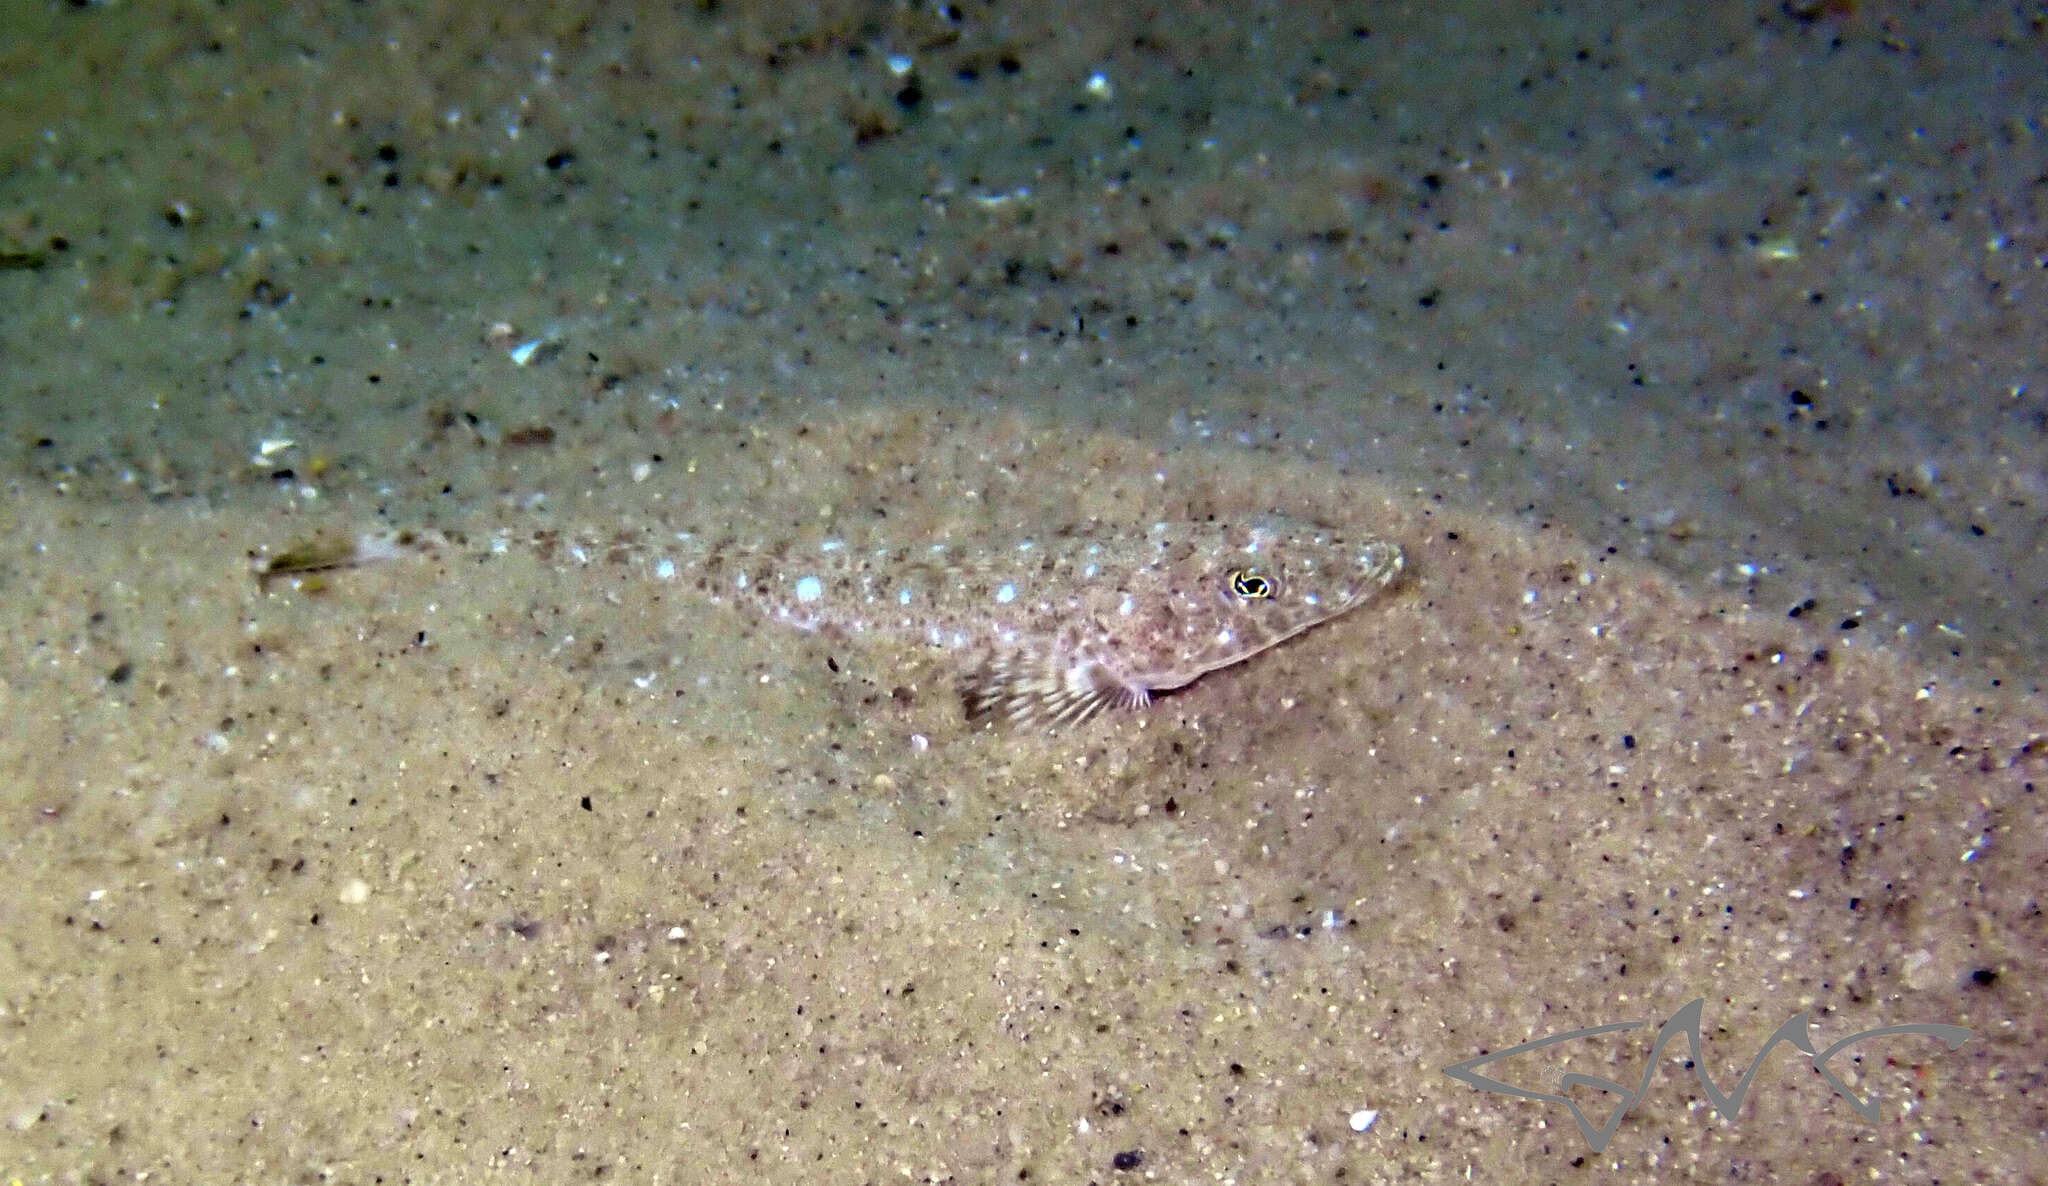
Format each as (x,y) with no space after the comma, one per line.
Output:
(1046,630)
(1052,629)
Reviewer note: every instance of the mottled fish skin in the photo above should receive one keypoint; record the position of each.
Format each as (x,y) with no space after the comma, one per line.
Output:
(1055,628)
(1049,630)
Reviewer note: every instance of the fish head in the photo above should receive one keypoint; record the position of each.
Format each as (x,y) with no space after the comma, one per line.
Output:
(1151,611)
(1226,591)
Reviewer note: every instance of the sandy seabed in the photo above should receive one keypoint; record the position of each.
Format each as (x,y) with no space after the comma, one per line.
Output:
(446,865)
(1692,356)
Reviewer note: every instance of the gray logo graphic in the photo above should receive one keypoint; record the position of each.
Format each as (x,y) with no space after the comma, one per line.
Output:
(1687,1022)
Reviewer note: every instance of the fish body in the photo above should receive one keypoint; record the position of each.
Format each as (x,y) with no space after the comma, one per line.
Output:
(1049,629)
(1052,629)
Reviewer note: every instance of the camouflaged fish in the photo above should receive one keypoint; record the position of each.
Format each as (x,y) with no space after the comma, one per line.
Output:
(1053,629)
(1049,630)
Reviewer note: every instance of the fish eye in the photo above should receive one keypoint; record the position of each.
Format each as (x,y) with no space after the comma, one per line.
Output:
(1249,585)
